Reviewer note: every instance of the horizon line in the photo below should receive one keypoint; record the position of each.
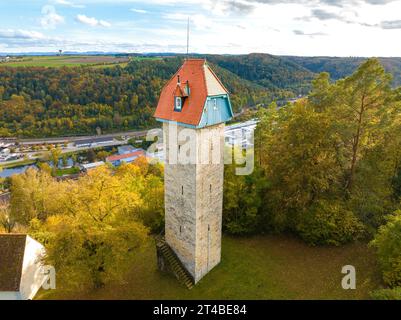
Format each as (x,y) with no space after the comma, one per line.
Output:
(94,52)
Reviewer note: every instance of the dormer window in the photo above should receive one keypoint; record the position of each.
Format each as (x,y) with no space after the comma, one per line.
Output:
(178,104)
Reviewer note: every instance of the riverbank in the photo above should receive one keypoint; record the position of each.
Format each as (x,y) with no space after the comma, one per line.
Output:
(17,163)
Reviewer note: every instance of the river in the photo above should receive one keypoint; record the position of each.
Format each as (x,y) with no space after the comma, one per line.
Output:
(5,173)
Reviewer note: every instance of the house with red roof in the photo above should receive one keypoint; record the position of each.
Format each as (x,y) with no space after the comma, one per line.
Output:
(119,159)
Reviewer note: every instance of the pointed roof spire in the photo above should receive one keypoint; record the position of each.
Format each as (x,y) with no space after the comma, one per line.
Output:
(188,38)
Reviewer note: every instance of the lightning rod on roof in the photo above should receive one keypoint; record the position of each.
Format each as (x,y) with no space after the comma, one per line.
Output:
(188,38)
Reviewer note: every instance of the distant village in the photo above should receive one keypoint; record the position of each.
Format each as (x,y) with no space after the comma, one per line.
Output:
(5,59)
(16,156)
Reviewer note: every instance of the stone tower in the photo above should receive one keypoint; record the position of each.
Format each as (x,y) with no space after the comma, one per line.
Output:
(193,106)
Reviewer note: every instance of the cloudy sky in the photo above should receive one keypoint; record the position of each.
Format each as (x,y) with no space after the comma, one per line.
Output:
(288,27)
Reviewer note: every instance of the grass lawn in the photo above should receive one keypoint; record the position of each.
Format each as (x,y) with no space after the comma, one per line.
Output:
(62,172)
(67,61)
(263,267)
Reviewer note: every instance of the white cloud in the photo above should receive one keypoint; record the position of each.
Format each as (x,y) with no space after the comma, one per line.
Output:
(289,27)
(20,34)
(104,23)
(90,21)
(392,24)
(50,18)
(138,10)
(69,4)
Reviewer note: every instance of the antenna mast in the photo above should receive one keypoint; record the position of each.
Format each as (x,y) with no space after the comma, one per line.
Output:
(188,38)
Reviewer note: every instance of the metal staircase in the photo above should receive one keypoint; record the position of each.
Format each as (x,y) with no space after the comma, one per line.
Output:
(173,263)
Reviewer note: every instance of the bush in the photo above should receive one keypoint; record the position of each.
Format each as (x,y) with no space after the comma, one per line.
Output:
(387,294)
(242,201)
(327,222)
(388,245)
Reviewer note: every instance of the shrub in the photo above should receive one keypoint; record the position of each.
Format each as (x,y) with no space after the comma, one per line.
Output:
(387,294)
(242,201)
(388,245)
(327,222)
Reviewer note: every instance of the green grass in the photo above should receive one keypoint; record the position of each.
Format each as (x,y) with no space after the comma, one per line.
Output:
(62,172)
(65,61)
(104,66)
(264,267)
(146,58)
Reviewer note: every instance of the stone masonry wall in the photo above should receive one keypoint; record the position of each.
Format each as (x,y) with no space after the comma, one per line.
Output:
(194,200)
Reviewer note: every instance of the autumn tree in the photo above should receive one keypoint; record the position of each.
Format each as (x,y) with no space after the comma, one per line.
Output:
(242,202)
(363,100)
(92,227)
(330,159)
(6,221)
(35,194)
(94,240)
(102,155)
(362,110)
(55,154)
(148,181)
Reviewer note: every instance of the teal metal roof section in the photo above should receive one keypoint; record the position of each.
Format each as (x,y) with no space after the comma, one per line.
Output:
(217,110)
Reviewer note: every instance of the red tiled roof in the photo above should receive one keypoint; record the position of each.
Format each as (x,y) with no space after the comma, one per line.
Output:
(125,156)
(180,91)
(193,71)
(12,251)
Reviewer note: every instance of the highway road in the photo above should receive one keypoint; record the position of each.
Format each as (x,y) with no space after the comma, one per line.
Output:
(71,139)
(57,140)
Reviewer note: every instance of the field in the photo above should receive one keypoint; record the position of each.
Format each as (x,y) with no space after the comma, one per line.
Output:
(264,267)
(66,61)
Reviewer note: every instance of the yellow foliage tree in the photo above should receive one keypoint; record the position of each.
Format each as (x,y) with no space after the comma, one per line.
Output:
(92,227)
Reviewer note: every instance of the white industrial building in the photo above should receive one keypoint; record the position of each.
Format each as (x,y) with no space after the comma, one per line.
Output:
(241,134)
(88,166)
